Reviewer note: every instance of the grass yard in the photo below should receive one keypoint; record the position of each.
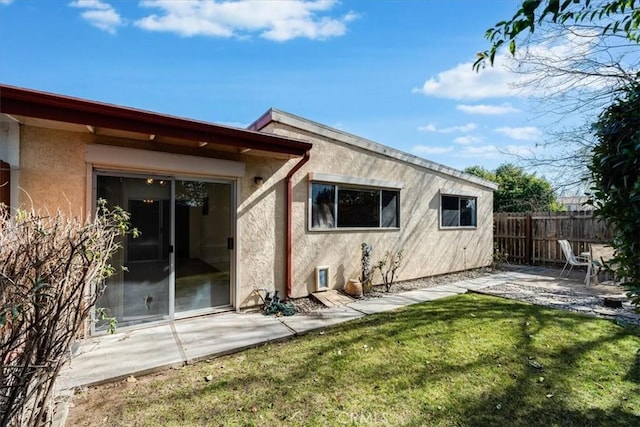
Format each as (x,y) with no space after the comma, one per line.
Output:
(466,360)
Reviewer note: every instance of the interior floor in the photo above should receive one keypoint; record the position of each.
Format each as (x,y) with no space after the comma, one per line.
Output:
(200,285)
(145,292)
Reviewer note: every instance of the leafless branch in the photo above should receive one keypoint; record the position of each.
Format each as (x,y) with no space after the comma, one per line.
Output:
(47,264)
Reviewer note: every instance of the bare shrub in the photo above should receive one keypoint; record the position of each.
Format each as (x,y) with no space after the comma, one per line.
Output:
(52,271)
(388,266)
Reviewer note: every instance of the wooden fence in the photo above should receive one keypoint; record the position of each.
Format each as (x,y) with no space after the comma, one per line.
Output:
(532,238)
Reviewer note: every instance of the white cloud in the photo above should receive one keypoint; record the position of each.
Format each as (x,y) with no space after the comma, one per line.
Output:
(428,128)
(482,151)
(91,4)
(6,1)
(463,128)
(487,110)
(467,139)
(427,149)
(493,152)
(99,14)
(577,46)
(527,133)
(240,125)
(272,20)
(462,82)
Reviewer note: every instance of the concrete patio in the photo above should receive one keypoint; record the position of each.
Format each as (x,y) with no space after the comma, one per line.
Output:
(135,352)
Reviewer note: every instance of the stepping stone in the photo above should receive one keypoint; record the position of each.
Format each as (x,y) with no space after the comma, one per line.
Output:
(613,302)
(605,311)
(332,298)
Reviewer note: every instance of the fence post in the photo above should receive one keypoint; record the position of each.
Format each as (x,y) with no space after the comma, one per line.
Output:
(528,241)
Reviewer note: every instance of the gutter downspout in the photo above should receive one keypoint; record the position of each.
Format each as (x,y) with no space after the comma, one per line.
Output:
(289,266)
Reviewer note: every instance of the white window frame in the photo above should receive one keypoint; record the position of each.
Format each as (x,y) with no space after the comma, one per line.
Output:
(459,195)
(352,183)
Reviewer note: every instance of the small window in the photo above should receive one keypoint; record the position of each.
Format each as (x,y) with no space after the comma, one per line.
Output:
(335,206)
(457,211)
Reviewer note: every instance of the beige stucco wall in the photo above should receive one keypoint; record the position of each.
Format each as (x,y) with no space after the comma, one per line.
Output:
(52,173)
(428,249)
(261,228)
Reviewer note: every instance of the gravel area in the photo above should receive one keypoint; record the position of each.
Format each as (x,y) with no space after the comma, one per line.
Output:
(548,291)
(306,305)
(567,299)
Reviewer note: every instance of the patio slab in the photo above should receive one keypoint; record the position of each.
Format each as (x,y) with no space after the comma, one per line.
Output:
(306,322)
(115,356)
(380,305)
(111,357)
(228,332)
(422,295)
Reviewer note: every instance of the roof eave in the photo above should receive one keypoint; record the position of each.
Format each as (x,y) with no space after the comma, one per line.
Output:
(43,105)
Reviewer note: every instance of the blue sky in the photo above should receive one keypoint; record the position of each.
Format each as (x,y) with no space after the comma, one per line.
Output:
(396,72)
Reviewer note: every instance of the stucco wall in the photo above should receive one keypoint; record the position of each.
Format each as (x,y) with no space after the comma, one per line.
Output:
(53,170)
(53,173)
(429,250)
(261,228)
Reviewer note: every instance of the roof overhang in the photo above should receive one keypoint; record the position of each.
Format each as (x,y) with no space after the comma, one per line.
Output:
(279,116)
(44,109)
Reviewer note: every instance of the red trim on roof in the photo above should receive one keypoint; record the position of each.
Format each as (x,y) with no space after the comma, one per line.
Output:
(43,105)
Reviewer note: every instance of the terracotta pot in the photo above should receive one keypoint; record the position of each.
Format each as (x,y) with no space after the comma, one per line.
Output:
(353,287)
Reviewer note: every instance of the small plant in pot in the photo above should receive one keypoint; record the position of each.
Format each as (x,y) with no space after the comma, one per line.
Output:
(357,287)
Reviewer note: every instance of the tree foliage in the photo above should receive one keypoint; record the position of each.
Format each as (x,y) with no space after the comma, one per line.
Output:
(518,191)
(615,153)
(615,171)
(52,271)
(616,16)
(572,57)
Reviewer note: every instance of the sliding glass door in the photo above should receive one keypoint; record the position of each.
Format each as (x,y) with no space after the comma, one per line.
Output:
(204,242)
(181,262)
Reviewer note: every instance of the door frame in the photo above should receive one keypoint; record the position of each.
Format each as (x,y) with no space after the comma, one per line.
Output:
(233,182)
(233,229)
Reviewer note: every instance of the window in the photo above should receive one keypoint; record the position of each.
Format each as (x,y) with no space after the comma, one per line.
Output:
(457,211)
(336,206)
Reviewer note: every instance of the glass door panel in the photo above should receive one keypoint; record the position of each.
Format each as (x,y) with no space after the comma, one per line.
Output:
(139,292)
(203,239)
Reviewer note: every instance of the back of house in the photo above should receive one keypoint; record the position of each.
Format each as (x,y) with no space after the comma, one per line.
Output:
(224,212)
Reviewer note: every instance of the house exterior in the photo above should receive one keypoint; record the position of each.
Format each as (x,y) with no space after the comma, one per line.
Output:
(574,203)
(226,211)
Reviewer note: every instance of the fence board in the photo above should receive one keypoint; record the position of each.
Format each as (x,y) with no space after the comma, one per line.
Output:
(533,238)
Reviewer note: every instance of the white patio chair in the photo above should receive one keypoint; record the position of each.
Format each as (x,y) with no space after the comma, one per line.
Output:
(574,260)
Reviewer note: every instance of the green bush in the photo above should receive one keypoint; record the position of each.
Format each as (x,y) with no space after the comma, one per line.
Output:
(615,171)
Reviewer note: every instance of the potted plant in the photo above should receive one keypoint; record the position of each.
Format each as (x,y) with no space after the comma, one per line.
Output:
(357,287)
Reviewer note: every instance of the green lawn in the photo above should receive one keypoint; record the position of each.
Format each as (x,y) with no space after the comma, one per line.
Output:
(466,360)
